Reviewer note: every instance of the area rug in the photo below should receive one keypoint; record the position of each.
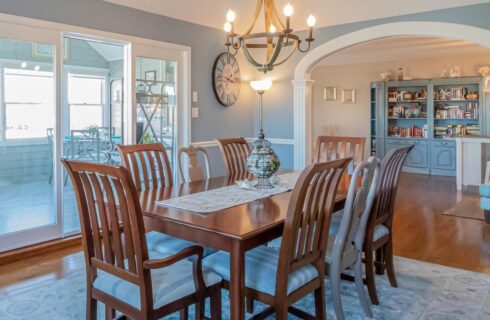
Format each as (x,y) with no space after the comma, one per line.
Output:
(426,291)
(468,208)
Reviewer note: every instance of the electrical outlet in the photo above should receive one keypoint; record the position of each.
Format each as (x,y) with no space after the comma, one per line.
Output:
(195,96)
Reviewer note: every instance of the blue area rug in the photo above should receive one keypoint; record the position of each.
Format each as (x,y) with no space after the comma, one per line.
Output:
(426,291)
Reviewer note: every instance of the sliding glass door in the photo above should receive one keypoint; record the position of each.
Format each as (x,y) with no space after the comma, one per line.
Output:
(28,199)
(92,122)
(66,95)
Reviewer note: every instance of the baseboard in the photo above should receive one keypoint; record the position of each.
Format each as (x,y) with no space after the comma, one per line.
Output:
(39,249)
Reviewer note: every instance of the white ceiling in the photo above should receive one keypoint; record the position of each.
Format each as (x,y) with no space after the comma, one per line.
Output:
(404,48)
(108,51)
(328,12)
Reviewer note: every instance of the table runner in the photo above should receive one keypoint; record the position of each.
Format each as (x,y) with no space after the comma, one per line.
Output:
(229,196)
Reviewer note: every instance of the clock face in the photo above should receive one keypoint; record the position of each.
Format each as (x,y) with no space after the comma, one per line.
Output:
(226,79)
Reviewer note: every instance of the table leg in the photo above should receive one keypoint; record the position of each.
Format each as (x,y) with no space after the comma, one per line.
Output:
(237,281)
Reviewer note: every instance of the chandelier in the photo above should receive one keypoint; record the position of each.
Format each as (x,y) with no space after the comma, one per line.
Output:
(273,40)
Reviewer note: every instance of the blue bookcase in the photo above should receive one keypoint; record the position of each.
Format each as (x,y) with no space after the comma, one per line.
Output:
(427,114)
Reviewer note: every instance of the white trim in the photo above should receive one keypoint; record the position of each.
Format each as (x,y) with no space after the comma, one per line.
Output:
(302,96)
(213,143)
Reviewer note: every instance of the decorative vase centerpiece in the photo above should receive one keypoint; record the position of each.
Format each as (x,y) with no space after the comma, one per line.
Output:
(262,161)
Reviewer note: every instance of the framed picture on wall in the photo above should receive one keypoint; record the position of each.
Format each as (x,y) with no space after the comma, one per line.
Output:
(151,75)
(486,84)
(348,96)
(330,93)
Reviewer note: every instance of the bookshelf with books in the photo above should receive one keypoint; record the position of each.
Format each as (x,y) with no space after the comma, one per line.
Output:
(429,114)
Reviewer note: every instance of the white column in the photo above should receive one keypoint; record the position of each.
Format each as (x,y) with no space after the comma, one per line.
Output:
(459,164)
(302,122)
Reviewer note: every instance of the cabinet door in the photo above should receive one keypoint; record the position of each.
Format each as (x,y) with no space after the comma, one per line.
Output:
(418,157)
(443,156)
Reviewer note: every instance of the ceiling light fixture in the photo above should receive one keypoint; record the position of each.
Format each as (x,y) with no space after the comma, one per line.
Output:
(272,40)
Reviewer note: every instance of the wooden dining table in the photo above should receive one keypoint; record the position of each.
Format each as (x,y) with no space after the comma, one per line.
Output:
(234,230)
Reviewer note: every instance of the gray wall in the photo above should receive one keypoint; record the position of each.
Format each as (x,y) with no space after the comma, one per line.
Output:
(206,43)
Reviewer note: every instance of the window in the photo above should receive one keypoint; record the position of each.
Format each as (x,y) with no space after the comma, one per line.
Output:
(29,103)
(86,99)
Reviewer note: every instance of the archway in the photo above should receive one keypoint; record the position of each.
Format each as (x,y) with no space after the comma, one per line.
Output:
(303,85)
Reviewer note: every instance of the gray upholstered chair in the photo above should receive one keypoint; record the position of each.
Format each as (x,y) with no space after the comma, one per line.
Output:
(347,230)
(195,172)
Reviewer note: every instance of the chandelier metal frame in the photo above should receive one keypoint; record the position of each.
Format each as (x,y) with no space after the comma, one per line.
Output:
(274,41)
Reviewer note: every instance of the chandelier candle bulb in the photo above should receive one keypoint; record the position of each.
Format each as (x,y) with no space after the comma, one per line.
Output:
(311,21)
(230,16)
(228,27)
(288,12)
(272,29)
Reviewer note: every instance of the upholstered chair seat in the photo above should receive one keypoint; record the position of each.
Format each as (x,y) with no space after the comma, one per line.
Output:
(169,284)
(166,245)
(261,270)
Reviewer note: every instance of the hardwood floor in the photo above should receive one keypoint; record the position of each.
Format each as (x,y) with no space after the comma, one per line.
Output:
(420,232)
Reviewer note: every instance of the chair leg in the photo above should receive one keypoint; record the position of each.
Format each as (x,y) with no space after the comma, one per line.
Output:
(390,268)
(320,305)
(335,287)
(250,305)
(370,276)
(216,304)
(281,313)
(109,313)
(184,313)
(199,312)
(360,287)
(379,261)
(91,309)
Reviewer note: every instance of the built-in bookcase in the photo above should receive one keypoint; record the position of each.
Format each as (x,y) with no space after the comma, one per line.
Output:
(427,114)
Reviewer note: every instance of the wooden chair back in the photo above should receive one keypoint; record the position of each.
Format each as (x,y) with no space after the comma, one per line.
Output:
(329,148)
(111,221)
(358,204)
(384,203)
(196,172)
(305,235)
(148,164)
(235,152)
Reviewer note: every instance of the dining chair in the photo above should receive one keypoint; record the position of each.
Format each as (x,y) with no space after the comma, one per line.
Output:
(330,148)
(122,272)
(378,239)
(235,152)
(195,172)
(148,164)
(280,278)
(347,231)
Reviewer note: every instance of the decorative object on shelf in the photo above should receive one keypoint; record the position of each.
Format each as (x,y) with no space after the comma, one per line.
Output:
(455,72)
(330,93)
(226,79)
(349,96)
(444,73)
(484,69)
(385,75)
(486,84)
(277,36)
(399,74)
(262,162)
(151,75)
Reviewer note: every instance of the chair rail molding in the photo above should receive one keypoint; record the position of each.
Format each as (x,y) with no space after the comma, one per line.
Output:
(303,85)
(213,143)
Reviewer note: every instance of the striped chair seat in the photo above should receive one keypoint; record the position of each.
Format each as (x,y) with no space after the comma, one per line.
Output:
(169,284)
(261,270)
(167,245)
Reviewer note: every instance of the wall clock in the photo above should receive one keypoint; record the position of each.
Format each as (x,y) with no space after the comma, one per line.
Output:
(226,79)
